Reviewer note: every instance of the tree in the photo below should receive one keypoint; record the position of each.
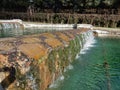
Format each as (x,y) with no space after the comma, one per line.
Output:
(3,4)
(116,4)
(84,3)
(102,4)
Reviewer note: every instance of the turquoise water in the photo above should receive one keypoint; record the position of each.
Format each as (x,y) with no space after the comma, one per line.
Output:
(97,69)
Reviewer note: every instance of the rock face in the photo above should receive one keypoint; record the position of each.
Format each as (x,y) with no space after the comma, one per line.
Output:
(34,62)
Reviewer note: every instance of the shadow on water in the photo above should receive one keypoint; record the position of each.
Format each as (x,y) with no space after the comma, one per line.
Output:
(10,78)
(107,74)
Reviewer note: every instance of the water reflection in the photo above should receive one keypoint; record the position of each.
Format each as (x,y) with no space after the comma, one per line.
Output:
(11,32)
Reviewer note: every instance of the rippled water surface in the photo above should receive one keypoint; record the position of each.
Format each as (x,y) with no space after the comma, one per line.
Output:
(10,32)
(97,69)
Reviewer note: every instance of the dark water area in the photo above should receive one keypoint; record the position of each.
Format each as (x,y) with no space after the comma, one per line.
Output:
(96,69)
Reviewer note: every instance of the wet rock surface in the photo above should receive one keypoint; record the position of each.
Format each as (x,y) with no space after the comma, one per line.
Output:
(34,62)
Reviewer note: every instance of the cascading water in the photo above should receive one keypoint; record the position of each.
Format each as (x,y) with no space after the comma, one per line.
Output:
(10,29)
(85,41)
(88,41)
(96,66)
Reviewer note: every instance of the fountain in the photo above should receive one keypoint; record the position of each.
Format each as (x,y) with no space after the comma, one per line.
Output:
(49,53)
(11,28)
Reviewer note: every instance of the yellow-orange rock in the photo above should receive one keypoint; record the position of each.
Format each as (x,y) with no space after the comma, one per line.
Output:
(30,40)
(35,51)
(5,46)
(48,35)
(63,36)
(53,42)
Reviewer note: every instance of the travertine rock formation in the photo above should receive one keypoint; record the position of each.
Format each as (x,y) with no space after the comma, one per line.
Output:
(34,62)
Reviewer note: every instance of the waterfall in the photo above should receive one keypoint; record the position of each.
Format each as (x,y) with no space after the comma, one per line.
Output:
(12,28)
(86,40)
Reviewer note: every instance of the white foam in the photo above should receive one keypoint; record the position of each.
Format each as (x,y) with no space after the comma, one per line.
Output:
(55,84)
(62,78)
(89,42)
(69,67)
(101,31)
(85,26)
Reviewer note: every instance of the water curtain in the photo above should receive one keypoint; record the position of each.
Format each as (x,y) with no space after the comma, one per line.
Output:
(12,28)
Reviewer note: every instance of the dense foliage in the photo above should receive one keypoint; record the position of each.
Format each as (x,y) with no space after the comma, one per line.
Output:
(57,5)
